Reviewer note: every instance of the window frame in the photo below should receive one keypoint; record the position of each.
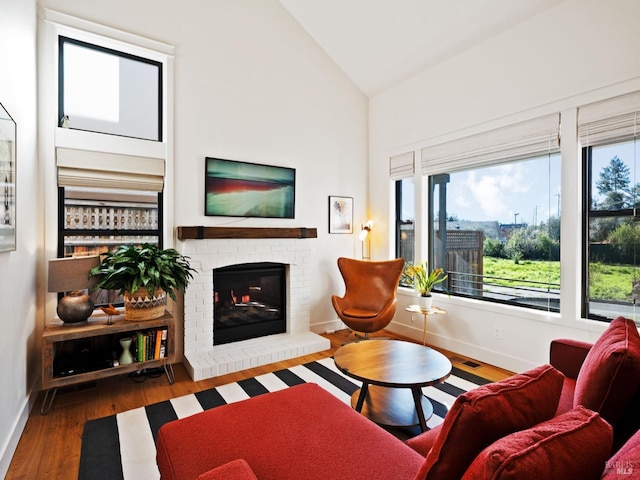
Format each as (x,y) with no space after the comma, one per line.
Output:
(62,39)
(587,215)
(441,180)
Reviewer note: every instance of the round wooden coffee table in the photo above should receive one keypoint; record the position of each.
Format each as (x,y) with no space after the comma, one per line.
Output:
(393,373)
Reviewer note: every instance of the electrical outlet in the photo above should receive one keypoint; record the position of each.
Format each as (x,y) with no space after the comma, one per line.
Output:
(497,332)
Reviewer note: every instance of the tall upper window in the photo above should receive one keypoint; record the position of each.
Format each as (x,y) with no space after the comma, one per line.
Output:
(609,134)
(107,91)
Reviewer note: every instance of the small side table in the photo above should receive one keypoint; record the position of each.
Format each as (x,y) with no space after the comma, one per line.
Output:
(425,312)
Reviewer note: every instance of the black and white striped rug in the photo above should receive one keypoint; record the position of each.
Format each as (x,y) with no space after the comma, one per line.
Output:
(122,446)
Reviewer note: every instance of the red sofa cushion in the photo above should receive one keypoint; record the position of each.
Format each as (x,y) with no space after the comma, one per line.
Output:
(423,443)
(482,415)
(625,464)
(302,432)
(235,470)
(610,374)
(575,444)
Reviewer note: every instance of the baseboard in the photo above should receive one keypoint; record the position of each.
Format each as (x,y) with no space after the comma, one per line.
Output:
(329,326)
(476,352)
(11,443)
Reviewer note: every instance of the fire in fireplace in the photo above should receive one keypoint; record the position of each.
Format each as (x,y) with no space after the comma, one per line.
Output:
(249,301)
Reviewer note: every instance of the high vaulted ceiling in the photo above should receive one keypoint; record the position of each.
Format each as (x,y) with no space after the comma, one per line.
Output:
(379,43)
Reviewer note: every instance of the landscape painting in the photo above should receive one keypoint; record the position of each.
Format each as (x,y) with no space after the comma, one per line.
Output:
(242,189)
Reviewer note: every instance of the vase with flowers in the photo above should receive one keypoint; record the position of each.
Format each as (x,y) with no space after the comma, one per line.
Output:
(423,281)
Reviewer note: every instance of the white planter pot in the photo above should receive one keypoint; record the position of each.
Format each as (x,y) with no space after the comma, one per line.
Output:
(425,302)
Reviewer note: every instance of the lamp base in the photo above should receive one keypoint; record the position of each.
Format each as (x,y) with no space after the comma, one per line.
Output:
(75,307)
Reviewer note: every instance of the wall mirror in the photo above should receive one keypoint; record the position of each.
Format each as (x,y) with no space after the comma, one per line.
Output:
(7,181)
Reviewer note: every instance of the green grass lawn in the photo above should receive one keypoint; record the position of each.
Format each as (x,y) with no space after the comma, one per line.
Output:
(610,282)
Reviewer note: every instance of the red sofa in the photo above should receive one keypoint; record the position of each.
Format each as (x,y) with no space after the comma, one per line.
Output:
(532,425)
(604,377)
(302,432)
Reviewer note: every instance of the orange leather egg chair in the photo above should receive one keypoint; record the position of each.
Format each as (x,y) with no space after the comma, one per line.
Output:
(369,301)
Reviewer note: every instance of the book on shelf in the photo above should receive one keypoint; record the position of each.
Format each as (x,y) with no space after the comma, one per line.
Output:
(163,343)
(150,344)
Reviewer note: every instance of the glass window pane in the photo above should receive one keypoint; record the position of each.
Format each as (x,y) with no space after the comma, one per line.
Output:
(496,231)
(96,221)
(405,221)
(109,92)
(613,177)
(613,283)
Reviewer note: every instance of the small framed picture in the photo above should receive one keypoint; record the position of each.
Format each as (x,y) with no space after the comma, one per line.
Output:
(340,214)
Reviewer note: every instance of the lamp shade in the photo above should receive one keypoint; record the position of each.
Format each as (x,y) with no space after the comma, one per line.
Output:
(68,274)
(72,275)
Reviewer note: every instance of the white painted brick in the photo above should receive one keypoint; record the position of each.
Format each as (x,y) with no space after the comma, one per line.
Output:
(214,253)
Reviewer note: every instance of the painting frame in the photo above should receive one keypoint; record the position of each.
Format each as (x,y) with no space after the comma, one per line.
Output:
(235,188)
(8,134)
(340,214)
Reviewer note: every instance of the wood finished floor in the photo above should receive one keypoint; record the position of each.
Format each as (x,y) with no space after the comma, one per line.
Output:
(50,445)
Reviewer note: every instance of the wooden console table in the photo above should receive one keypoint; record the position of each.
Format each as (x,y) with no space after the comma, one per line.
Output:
(74,343)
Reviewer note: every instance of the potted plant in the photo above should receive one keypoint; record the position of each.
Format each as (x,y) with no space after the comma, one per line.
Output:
(144,275)
(423,281)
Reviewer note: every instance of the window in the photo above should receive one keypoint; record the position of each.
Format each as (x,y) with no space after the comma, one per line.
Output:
(402,170)
(111,153)
(493,213)
(495,231)
(107,91)
(612,280)
(96,220)
(611,232)
(405,220)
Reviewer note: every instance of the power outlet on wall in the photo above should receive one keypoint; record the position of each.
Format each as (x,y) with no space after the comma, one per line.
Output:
(497,332)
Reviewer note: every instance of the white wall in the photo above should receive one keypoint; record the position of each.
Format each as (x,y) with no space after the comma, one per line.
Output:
(20,330)
(574,53)
(251,85)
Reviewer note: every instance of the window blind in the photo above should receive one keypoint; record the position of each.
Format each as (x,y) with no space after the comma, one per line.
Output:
(402,166)
(83,168)
(520,140)
(609,120)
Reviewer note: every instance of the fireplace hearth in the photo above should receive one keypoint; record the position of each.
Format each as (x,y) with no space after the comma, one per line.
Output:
(205,357)
(249,301)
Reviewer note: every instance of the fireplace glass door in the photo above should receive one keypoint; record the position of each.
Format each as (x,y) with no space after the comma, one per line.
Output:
(249,301)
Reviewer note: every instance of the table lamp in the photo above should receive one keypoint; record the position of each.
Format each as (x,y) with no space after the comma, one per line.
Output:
(71,275)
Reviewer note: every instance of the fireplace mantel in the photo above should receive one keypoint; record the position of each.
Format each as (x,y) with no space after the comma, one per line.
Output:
(202,232)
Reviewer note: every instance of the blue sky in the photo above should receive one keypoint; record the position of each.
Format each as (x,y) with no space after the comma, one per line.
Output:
(601,156)
(526,188)
(531,188)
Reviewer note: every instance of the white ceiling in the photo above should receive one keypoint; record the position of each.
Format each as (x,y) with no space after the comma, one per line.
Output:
(379,43)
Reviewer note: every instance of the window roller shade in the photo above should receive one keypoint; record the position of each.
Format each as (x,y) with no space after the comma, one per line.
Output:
(402,166)
(610,120)
(521,140)
(83,168)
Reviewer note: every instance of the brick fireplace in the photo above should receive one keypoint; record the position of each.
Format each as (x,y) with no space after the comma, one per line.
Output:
(203,359)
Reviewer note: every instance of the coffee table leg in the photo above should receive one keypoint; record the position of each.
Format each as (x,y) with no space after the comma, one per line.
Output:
(362,396)
(417,399)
